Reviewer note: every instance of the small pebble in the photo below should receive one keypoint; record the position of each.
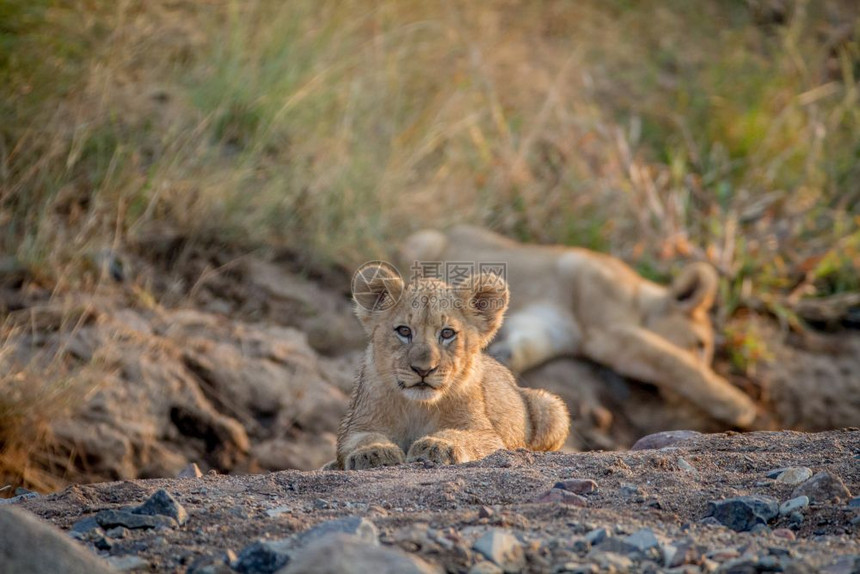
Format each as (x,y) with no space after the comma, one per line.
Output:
(563,497)
(784,533)
(485,512)
(577,485)
(794,475)
(792,505)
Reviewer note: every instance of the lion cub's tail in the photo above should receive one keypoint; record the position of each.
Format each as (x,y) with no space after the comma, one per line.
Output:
(548,419)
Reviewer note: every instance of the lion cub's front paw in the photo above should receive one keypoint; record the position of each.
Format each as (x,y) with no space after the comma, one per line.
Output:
(436,450)
(373,457)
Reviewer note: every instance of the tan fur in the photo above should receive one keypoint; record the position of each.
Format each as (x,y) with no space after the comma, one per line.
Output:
(466,408)
(572,301)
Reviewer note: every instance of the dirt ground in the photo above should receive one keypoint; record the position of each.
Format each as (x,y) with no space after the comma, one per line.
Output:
(437,513)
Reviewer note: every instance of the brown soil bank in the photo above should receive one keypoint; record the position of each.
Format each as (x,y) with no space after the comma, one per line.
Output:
(647,511)
(246,366)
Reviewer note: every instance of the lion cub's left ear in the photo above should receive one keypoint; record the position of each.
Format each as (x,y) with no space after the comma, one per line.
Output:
(485,300)
(695,288)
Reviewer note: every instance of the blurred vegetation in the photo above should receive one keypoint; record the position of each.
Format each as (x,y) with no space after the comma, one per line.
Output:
(659,131)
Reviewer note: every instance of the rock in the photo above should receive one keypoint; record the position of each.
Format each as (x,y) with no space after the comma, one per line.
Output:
(742,565)
(854,502)
(843,565)
(485,512)
(686,466)
(503,549)
(336,553)
(278,510)
(577,485)
(161,503)
(361,528)
(642,540)
(111,518)
(784,533)
(793,476)
(563,497)
(19,498)
(760,529)
(597,536)
(128,563)
(485,567)
(190,471)
(118,532)
(743,512)
(663,439)
(611,562)
(710,521)
(823,487)
(30,546)
(263,557)
(213,564)
(85,526)
(791,505)
(102,543)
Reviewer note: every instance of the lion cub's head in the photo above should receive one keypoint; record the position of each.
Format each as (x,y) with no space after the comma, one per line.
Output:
(426,337)
(682,315)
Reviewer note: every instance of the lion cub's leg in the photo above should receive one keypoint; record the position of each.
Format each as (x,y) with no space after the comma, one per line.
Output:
(549,419)
(534,335)
(641,354)
(454,446)
(370,450)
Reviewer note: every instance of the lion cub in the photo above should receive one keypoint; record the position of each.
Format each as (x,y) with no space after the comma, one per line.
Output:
(425,390)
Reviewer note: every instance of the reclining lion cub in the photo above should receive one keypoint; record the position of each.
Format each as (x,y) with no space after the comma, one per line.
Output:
(425,390)
(572,301)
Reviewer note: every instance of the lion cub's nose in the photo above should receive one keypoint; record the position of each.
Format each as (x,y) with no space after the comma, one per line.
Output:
(422,372)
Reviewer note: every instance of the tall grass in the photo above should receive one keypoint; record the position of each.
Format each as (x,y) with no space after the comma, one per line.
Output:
(656,130)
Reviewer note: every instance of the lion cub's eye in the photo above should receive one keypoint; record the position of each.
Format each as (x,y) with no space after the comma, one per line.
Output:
(403,331)
(447,334)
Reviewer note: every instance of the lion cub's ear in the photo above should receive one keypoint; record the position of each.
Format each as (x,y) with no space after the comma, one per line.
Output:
(376,288)
(695,288)
(485,300)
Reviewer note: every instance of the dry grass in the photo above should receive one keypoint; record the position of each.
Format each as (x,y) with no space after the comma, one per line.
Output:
(657,130)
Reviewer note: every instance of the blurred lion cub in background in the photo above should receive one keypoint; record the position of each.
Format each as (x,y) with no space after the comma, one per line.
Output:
(426,390)
(572,301)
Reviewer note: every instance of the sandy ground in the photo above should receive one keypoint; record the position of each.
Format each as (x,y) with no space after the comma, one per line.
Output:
(437,513)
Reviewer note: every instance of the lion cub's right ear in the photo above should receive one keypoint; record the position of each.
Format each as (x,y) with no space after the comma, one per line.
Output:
(376,287)
(695,288)
(485,299)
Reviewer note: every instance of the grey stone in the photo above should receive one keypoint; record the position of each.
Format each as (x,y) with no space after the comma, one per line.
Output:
(337,552)
(823,487)
(760,529)
(85,526)
(278,510)
(118,532)
(213,564)
(111,518)
(503,549)
(743,512)
(190,471)
(642,539)
(710,521)
(742,565)
(128,563)
(485,567)
(161,503)
(361,528)
(30,546)
(19,498)
(854,502)
(577,485)
(792,505)
(843,565)
(263,557)
(597,536)
(562,497)
(663,439)
(794,475)
(611,562)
